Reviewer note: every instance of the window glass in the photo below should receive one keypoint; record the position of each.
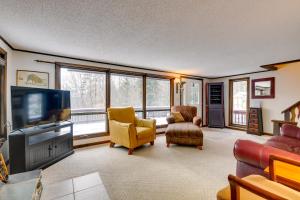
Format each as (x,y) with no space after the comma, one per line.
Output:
(126,91)
(88,99)
(158,99)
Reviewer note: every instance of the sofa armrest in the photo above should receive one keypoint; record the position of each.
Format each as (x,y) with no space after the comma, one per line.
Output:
(257,155)
(197,121)
(170,119)
(292,131)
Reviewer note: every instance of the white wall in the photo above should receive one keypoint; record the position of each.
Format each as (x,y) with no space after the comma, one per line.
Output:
(287,83)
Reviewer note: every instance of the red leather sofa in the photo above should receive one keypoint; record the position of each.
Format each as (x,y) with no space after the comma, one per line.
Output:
(253,158)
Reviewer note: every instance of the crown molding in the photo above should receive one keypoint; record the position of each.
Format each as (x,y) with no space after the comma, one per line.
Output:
(5,41)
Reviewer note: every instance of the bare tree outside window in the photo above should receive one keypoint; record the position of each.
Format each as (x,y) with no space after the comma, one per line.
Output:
(158,98)
(87,99)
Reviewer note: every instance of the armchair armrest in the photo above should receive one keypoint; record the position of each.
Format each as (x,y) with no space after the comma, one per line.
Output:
(236,182)
(197,121)
(125,132)
(170,119)
(149,123)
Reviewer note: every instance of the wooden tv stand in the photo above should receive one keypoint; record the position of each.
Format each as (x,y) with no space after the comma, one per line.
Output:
(40,146)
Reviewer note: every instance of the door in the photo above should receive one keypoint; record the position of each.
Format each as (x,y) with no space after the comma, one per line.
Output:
(239,102)
(192,94)
(63,145)
(39,154)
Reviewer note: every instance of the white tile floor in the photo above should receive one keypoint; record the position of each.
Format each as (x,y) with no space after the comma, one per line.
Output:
(84,187)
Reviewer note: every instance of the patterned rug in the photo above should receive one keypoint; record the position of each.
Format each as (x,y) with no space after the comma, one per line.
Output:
(157,172)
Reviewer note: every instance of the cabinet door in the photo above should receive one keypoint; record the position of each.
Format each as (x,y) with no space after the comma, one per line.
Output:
(39,154)
(63,145)
(216,118)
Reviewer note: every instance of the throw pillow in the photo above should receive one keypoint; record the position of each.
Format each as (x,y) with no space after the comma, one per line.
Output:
(177,116)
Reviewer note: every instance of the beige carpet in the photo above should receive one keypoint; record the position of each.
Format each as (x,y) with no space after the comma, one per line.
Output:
(157,172)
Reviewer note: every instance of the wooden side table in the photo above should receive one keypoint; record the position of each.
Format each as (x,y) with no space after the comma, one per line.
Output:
(287,174)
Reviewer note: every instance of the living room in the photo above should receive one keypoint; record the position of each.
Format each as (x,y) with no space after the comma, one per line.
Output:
(157,100)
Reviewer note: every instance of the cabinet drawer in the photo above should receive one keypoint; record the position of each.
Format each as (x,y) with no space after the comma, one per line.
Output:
(253,111)
(253,116)
(253,126)
(253,121)
(253,130)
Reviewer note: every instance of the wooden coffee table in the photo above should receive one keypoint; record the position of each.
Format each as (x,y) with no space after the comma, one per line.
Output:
(287,174)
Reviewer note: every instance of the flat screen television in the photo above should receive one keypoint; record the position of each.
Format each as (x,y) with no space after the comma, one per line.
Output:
(36,106)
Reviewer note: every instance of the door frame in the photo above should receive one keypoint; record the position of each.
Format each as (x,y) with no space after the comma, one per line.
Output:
(231,81)
(3,99)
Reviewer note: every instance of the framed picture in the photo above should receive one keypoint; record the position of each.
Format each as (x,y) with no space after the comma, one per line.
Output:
(35,79)
(263,88)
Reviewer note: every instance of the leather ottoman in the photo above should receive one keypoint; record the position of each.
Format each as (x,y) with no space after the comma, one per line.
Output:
(185,133)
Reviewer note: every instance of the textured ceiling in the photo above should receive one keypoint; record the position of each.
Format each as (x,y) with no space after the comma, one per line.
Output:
(198,37)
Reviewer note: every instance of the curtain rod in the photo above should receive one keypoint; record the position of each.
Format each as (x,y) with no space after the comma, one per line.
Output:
(181,75)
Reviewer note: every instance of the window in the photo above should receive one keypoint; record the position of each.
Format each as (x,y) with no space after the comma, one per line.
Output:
(127,90)
(88,99)
(192,94)
(158,99)
(239,98)
(149,96)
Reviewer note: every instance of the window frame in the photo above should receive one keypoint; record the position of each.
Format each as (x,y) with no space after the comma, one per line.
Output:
(108,72)
(3,100)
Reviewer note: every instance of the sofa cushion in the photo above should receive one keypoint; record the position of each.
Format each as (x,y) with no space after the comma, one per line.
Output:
(143,132)
(185,129)
(285,143)
(263,183)
(177,117)
(289,130)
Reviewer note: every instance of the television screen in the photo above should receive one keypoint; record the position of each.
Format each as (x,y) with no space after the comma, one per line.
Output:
(35,106)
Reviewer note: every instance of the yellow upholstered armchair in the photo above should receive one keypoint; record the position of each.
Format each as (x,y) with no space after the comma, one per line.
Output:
(129,131)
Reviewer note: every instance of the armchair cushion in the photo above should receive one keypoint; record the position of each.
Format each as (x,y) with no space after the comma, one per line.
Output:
(177,117)
(144,132)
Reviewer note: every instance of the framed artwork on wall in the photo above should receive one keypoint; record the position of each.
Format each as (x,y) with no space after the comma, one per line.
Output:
(35,79)
(263,88)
